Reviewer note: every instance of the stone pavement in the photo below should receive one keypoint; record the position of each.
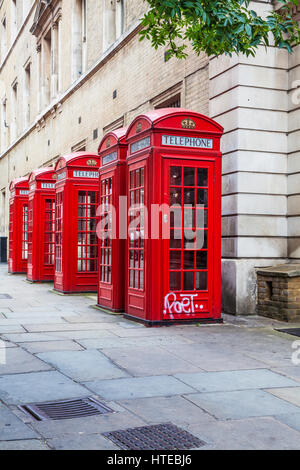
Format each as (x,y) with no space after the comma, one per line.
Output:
(234,385)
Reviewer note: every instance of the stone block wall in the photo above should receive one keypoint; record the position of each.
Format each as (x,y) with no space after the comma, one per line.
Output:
(278,292)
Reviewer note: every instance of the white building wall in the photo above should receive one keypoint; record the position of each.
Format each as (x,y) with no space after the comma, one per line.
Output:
(249,97)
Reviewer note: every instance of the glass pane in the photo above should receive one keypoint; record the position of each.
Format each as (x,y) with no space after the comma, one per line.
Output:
(189,239)
(188,260)
(175,240)
(189,196)
(137,178)
(201,260)
(175,259)
(188,281)
(132,179)
(176,176)
(142,176)
(141,259)
(81,197)
(201,242)
(175,281)
(141,279)
(202,177)
(189,218)
(189,177)
(175,197)
(201,281)
(176,218)
(202,218)
(202,195)
(136,279)
(131,278)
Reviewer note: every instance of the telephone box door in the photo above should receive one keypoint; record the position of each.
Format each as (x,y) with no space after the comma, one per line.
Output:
(189,251)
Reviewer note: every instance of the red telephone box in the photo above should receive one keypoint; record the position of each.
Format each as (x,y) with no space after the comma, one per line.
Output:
(111,288)
(18,226)
(174,223)
(77,199)
(41,225)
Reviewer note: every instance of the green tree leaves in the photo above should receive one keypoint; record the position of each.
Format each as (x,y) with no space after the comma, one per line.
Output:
(218,26)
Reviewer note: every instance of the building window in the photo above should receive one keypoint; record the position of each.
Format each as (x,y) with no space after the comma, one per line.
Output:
(119,18)
(14,111)
(173,102)
(113,21)
(79,38)
(46,66)
(3,206)
(14,24)
(4,125)
(114,125)
(27,89)
(26,8)
(80,147)
(3,39)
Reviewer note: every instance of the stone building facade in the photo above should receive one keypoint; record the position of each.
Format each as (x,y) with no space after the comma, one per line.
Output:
(71,70)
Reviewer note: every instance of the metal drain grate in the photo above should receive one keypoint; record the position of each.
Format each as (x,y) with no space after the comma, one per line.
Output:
(66,409)
(291,331)
(157,437)
(5,296)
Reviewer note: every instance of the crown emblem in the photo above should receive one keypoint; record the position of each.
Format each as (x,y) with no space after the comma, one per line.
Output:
(91,163)
(188,123)
(138,127)
(108,143)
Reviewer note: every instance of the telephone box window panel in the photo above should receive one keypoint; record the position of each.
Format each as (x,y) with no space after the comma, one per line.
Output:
(174,273)
(18,226)
(87,255)
(76,243)
(112,245)
(41,225)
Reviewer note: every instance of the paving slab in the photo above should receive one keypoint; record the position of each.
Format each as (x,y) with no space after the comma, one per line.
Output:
(87,426)
(6,344)
(31,444)
(83,366)
(19,361)
(31,337)
(90,334)
(46,346)
(41,328)
(39,387)
(115,342)
(235,380)
(273,359)
(90,318)
(85,442)
(292,372)
(215,357)
(134,387)
(247,434)
(12,428)
(143,332)
(242,404)
(173,409)
(11,329)
(292,420)
(142,361)
(292,395)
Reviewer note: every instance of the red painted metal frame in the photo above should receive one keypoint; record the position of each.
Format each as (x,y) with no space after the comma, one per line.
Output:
(41,230)
(77,263)
(155,303)
(18,224)
(112,260)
